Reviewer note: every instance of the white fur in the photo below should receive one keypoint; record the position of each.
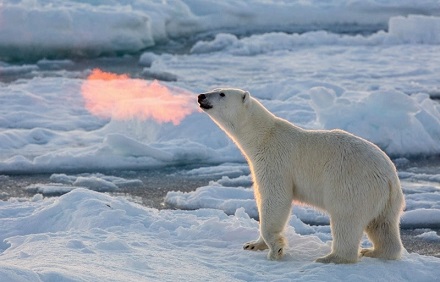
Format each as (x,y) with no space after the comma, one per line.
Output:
(347,176)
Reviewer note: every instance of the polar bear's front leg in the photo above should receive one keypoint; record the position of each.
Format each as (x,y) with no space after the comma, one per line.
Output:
(274,214)
(273,221)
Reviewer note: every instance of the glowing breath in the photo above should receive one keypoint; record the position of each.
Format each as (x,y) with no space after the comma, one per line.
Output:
(120,97)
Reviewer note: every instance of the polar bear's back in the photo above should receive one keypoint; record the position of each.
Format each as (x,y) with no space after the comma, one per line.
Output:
(349,151)
(330,165)
(324,146)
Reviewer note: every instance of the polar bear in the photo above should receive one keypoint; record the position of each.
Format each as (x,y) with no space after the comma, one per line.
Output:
(346,176)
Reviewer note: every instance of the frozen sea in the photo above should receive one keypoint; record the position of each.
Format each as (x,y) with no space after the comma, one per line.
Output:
(109,172)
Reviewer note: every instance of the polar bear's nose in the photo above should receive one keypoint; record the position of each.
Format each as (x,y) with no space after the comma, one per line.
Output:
(202,97)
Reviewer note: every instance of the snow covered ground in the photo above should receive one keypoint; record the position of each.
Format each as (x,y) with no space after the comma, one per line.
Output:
(369,67)
(88,236)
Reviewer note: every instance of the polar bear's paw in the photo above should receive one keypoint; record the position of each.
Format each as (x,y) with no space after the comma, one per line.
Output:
(333,258)
(369,253)
(374,253)
(276,254)
(257,245)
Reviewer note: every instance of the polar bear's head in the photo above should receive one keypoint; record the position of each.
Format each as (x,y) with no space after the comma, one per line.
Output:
(226,106)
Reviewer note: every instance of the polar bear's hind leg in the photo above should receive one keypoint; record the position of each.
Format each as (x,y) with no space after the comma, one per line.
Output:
(384,231)
(385,236)
(346,240)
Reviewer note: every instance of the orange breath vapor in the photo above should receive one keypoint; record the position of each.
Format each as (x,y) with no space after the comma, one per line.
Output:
(117,96)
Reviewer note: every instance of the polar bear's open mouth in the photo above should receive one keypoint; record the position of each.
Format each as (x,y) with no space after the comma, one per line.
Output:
(203,102)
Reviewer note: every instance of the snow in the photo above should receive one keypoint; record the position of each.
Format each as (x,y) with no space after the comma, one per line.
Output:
(85,235)
(28,30)
(391,119)
(147,59)
(368,67)
(6,69)
(62,183)
(105,27)
(411,29)
(416,29)
(430,236)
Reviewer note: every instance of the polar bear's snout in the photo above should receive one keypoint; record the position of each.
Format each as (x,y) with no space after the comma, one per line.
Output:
(201,97)
(203,102)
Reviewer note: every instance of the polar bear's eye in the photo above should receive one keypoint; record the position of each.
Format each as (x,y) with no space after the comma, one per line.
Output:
(222,94)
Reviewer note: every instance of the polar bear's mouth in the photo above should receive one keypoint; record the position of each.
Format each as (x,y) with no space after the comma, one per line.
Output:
(205,106)
(203,102)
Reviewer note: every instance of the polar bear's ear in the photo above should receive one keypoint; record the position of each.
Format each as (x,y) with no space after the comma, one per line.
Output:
(246,97)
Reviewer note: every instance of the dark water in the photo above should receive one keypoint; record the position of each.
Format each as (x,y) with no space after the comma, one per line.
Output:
(156,184)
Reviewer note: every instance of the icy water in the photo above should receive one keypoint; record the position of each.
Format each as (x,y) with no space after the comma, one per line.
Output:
(155,185)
